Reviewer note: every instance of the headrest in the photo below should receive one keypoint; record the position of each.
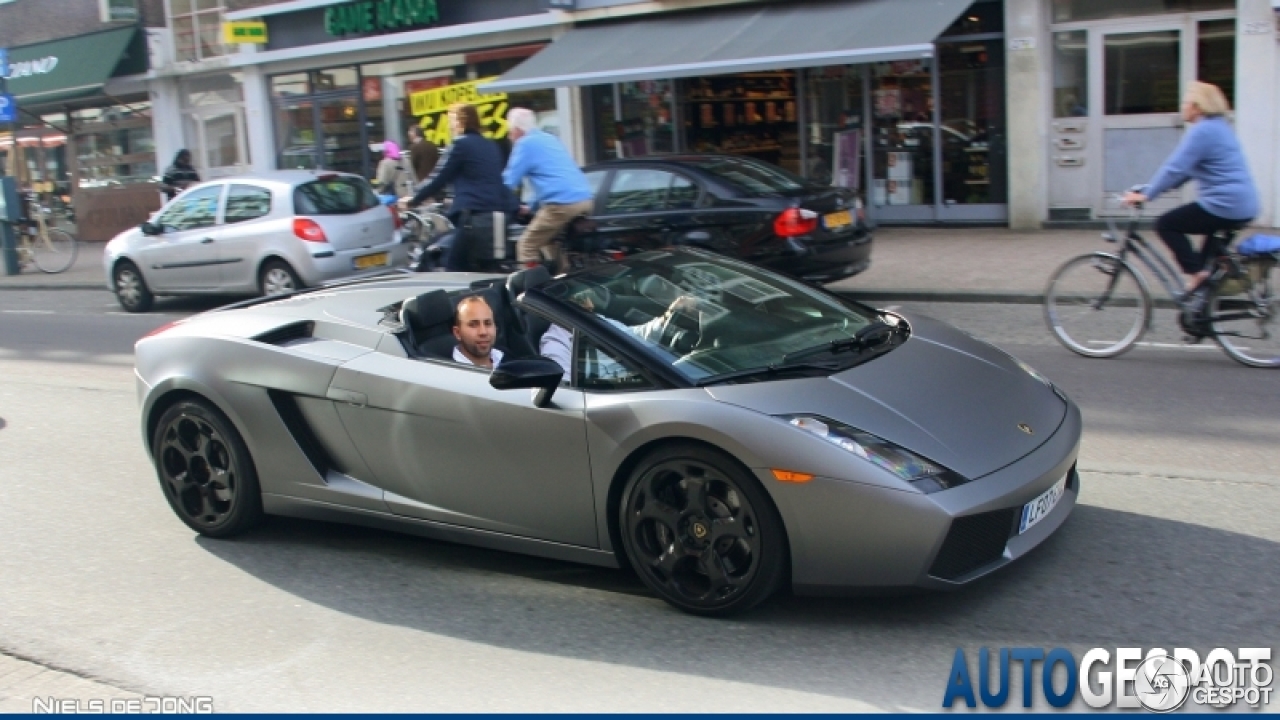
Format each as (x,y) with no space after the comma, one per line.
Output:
(522,280)
(428,310)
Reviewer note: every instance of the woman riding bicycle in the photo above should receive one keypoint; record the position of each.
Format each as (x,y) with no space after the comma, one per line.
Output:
(1210,154)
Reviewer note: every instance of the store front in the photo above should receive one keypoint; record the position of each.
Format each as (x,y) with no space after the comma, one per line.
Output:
(340,79)
(86,134)
(1119,69)
(915,120)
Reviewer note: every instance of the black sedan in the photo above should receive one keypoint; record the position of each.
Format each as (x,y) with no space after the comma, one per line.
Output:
(735,206)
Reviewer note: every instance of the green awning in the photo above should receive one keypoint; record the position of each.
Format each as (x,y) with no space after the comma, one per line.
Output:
(74,67)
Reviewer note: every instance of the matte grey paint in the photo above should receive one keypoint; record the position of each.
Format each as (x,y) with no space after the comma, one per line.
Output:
(412,459)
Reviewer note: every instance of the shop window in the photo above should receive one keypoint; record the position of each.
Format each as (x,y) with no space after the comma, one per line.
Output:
(972,133)
(118,10)
(835,126)
(1071,74)
(638,191)
(192,211)
(246,202)
(1141,73)
(902,105)
(290,85)
(334,79)
(752,114)
(1216,55)
(197,29)
(1071,10)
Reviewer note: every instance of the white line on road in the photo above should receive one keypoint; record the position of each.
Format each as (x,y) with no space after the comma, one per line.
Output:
(29,312)
(1173,346)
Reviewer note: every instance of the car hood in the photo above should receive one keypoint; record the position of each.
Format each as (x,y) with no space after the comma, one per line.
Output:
(942,394)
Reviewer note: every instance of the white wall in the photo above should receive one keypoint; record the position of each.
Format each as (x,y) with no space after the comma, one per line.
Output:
(166,120)
(1257,115)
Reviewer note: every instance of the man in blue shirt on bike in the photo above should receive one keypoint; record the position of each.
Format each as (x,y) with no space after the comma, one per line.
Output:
(562,192)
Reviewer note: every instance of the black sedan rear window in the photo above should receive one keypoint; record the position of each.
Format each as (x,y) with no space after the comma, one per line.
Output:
(752,176)
(333,196)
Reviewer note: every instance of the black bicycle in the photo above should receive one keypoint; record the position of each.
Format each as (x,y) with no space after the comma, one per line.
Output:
(1099,304)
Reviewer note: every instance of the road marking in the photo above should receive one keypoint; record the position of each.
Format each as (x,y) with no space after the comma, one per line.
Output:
(29,312)
(1172,346)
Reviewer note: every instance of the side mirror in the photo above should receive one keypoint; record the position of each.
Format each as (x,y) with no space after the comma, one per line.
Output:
(150,228)
(542,373)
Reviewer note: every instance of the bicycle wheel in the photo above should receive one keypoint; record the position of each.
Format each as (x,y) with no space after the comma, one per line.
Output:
(1244,322)
(56,251)
(1097,305)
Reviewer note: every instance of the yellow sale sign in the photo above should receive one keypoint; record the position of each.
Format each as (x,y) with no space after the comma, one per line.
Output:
(432,106)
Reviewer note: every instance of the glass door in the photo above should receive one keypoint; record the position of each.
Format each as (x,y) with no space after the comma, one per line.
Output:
(296,135)
(903,186)
(1140,71)
(342,138)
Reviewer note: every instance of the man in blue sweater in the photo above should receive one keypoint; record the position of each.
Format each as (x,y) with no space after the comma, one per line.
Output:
(561,190)
(1209,154)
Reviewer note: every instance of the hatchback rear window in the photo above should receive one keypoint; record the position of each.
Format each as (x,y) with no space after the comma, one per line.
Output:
(335,196)
(751,176)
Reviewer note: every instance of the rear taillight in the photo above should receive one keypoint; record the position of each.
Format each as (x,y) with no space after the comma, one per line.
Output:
(795,221)
(395,215)
(309,230)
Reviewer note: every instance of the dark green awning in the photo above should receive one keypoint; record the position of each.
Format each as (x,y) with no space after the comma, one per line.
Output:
(74,67)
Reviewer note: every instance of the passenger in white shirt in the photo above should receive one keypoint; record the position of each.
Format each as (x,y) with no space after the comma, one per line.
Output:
(474,329)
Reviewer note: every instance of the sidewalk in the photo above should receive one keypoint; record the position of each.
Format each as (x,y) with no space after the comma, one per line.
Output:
(907,264)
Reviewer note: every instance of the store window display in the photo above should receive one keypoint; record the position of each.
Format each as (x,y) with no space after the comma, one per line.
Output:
(902,108)
(974,164)
(836,128)
(753,114)
(634,119)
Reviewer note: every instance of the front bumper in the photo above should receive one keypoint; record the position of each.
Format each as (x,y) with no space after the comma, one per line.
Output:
(847,538)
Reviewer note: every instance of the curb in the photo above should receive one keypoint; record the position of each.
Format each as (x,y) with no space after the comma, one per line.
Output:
(99,285)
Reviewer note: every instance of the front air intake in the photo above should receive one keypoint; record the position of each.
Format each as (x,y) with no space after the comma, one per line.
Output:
(973,542)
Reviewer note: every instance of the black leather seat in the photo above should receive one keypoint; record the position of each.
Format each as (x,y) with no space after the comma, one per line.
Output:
(530,326)
(428,320)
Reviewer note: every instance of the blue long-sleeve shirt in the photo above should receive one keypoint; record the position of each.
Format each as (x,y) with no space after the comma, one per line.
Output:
(1210,154)
(544,160)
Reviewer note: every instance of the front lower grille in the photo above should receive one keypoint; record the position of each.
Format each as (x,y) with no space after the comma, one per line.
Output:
(973,542)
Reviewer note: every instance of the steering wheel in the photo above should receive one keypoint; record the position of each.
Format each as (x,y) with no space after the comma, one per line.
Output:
(674,337)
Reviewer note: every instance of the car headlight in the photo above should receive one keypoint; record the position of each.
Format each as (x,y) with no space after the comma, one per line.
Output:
(924,475)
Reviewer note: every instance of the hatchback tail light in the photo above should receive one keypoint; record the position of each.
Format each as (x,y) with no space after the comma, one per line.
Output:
(309,230)
(395,216)
(794,222)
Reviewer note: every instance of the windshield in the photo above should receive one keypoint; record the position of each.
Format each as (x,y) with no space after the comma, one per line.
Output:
(752,177)
(708,316)
(334,196)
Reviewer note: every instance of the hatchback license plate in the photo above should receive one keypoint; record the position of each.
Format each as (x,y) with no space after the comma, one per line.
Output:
(1036,510)
(835,220)
(375,260)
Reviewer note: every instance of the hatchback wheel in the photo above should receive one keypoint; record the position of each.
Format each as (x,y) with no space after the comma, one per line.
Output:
(205,470)
(702,533)
(131,290)
(277,278)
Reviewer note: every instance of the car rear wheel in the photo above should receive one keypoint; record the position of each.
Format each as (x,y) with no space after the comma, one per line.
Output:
(701,532)
(131,290)
(205,470)
(277,278)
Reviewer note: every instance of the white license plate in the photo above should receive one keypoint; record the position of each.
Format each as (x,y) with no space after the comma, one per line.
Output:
(1036,510)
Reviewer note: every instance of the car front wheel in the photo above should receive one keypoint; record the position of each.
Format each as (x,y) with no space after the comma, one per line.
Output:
(701,532)
(131,290)
(205,470)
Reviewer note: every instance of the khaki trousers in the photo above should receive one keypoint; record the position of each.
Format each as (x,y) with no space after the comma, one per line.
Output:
(549,221)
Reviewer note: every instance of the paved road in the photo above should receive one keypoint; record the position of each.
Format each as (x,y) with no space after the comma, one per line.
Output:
(1174,544)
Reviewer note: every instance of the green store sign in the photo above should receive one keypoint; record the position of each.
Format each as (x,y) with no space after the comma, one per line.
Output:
(371,16)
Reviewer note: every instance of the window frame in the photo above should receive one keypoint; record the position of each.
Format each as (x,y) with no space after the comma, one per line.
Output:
(195,15)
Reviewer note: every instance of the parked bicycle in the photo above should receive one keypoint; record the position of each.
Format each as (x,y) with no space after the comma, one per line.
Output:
(49,249)
(1099,304)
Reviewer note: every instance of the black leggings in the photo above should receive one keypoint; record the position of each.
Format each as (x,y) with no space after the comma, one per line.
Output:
(1174,226)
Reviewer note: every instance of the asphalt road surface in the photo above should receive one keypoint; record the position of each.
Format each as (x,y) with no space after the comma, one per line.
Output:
(1174,544)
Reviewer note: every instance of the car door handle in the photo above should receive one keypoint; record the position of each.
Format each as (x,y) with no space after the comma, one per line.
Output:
(206,241)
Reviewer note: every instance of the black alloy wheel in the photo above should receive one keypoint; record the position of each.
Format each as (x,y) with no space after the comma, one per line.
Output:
(205,470)
(130,288)
(702,533)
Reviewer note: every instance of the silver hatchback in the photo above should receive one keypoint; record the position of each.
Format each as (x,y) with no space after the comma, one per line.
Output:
(267,234)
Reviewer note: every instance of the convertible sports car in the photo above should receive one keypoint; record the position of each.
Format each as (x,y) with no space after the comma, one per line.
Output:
(722,429)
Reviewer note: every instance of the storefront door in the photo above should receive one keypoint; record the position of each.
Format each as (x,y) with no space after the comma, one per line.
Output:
(1139,72)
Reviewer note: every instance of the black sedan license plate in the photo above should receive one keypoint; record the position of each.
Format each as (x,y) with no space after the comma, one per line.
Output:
(365,262)
(832,221)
